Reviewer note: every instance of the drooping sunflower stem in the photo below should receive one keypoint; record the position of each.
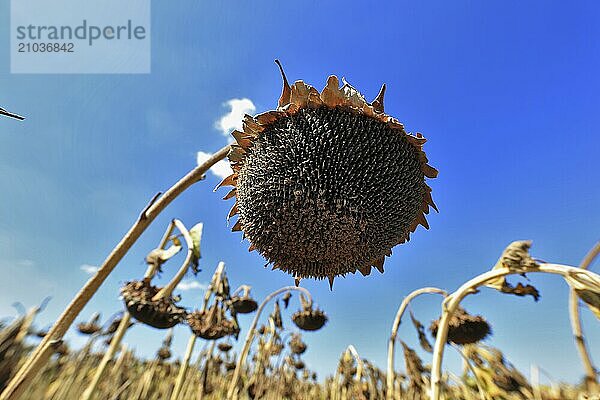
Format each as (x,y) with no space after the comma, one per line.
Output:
(452,303)
(231,392)
(392,342)
(591,374)
(123,325)
(170,287)
(39,357)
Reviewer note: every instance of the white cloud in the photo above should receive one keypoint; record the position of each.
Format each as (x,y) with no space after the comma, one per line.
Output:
(190,284)
(89,269)
(25,263)
(233,119)
(220,169)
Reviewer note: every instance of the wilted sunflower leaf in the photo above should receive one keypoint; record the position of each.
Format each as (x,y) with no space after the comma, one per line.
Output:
(421,332)
(521,290)
(159,256)
(196,234)
(286,299)
(515,257)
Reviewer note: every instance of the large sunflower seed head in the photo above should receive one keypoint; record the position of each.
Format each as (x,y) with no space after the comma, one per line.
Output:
(161,314)
(327,184)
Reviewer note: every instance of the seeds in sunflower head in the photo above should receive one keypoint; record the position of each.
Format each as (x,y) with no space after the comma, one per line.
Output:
(327,184)
(212,324)
(464,328)
(161,314)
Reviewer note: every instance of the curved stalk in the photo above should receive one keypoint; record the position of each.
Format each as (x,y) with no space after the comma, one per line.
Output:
(591,374)
(452,303)
(39,357)
(250,336)
(123,326)
(392,343)
(168,289)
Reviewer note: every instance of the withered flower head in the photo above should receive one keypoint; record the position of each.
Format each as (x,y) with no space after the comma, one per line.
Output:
(162,313)
(244,304)
(212,324)
(299,364)
(297,345)
(464,328)
(164,353)
(224,346)
(327,184)
(230,365)
(90,327)
(114,325)
(309,319)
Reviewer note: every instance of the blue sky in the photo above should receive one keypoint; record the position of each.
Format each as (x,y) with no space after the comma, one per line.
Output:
(507,94)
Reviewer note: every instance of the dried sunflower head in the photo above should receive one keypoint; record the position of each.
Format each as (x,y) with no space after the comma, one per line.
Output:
(212,324)
(162,313)
(327,184)
(224,346)
(244,304)
(309,319)
(297,345)
(164,353)
(464,328)
(90,327)
(299,364)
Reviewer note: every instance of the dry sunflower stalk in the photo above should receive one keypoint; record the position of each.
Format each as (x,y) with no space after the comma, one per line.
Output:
(333,172)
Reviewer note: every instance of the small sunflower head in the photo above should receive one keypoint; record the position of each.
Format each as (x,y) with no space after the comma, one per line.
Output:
(161,314)
(90,327)
(212,324)
(243,304)
(464,328)
(309,319)
(299,365)
(297,346)
(224,347)
(164,353)
(327,184)
(114,325)
(230,365)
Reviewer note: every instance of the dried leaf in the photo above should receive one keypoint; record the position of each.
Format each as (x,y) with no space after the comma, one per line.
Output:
(196,234)
(423,341)
(516,258)
(521,290)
